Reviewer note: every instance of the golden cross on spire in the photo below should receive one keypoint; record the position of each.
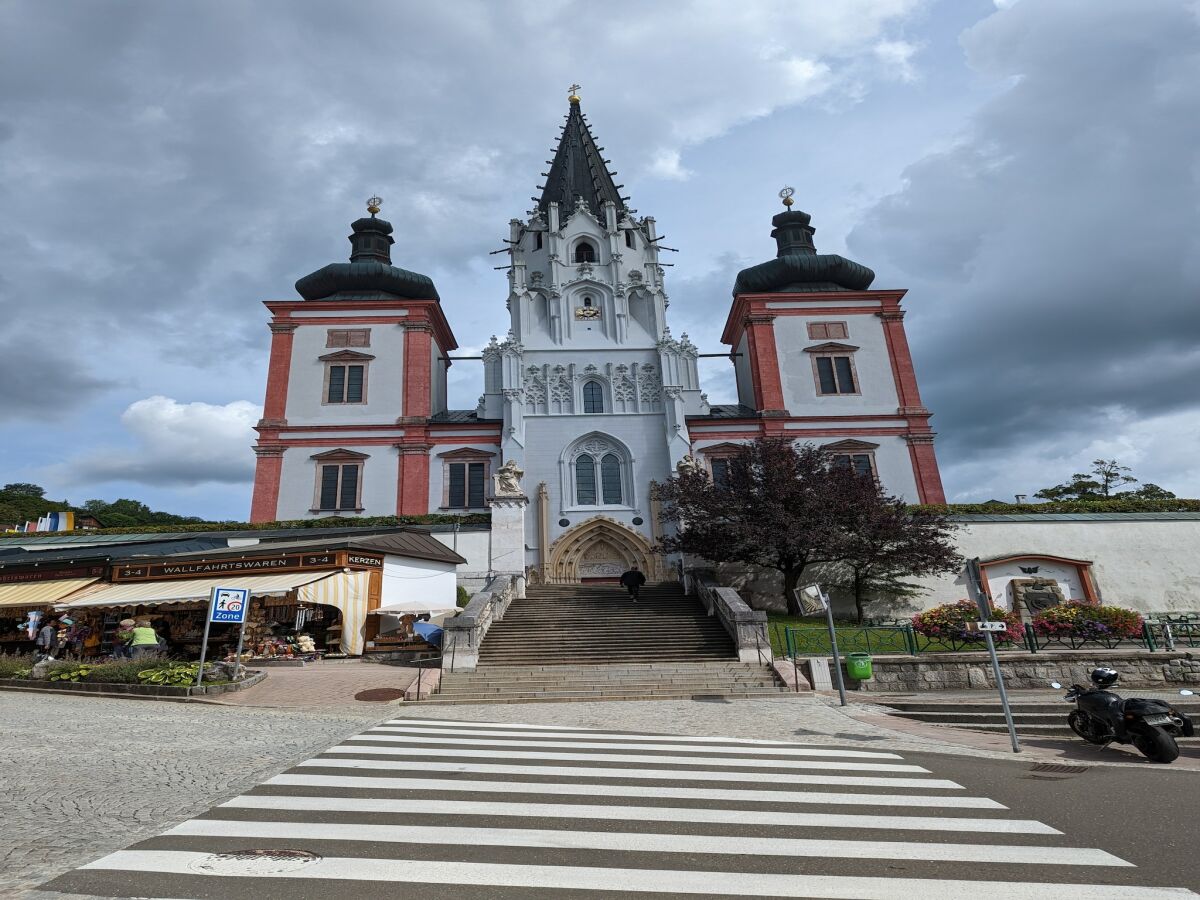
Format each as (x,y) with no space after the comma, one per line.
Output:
(574,97)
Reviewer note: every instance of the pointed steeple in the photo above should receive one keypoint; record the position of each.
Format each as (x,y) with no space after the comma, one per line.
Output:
(578,170)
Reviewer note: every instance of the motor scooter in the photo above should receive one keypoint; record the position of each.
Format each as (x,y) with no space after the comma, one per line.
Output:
(1101,717)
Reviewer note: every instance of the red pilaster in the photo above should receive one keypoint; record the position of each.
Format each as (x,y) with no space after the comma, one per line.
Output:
(267,472)
(901,357)
(412,478)
(764,365)
(275,407)
(925,469)
(418,370)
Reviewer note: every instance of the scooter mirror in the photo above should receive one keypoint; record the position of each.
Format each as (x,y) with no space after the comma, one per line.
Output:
(1055,685)
(1186,693)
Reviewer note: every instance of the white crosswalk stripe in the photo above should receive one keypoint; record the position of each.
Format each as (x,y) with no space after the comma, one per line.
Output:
(471,810)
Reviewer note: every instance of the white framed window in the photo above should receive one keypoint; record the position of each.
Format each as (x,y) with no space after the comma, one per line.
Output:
(833,369)
(465,476)
(856,455)
(339,481)
(345,377)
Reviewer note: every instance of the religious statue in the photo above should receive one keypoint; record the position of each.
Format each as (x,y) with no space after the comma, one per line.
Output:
(508,480)
(687,465)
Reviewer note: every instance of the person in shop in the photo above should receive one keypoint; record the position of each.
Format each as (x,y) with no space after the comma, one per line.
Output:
(144,642)
(46,642)
(122,639)
(163,628)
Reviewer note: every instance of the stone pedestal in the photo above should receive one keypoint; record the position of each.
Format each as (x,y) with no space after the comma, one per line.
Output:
(508,538)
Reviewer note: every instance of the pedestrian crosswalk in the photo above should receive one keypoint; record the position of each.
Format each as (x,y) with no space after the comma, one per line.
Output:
(467,810)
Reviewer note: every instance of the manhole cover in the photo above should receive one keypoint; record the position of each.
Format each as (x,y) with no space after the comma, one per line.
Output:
(254,862)
(1057,770)
(379,694)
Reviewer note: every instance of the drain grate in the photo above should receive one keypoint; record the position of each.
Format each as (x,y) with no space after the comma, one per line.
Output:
(254,862)
(379,694)
(1058,769)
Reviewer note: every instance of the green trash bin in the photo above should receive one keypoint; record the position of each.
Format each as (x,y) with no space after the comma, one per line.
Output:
(858,666)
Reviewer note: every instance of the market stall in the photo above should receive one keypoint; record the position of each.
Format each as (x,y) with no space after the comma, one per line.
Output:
(27,600)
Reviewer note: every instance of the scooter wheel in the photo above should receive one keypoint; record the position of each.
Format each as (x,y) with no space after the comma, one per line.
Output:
(1156,745)
(1081,724)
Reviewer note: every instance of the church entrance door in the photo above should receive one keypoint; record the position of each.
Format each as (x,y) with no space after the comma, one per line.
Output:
(599,550)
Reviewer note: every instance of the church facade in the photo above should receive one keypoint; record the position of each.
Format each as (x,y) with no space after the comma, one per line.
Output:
(589,392)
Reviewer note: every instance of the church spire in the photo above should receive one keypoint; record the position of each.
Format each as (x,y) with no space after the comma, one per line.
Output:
(578,169)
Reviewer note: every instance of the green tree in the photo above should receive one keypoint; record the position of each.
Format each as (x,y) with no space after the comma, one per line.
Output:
(1100,483)
(26,489)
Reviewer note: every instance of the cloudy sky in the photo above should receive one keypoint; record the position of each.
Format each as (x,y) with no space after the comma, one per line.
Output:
(1029,170)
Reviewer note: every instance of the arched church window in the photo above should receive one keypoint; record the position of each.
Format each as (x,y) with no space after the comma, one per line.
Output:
(585,481)
(593,397)
(587,301)
(537,240)
(585,251)
(610,478)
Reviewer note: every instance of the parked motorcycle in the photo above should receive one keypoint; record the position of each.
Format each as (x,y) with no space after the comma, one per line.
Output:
(1101,717)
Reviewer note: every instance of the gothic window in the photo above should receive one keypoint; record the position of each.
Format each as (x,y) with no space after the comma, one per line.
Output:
(593,397)
(537,240)
(339,481)
(629,238)
(587,302)
(597,469)
(585,481)
(585,252)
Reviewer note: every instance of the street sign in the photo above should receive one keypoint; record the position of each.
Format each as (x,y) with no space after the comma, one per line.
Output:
(229,605)
(991,626)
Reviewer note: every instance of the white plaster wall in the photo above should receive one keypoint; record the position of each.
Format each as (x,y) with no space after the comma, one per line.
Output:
(546,438)
(306,378)
(297,485)
(473,547)
(876,382)
(1150,566)
(437,467)
(406,580)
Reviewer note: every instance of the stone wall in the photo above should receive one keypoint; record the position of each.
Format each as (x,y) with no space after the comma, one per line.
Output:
(973,670)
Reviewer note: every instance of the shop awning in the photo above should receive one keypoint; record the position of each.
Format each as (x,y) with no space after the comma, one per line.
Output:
(153,593)
(346,591)
(41,593)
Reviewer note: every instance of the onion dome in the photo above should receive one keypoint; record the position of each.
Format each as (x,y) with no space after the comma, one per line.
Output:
(798,267)
(370,274)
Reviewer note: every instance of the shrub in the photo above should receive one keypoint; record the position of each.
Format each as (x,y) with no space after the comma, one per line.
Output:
(16,665)
(464,596)
(1081,619)
(116,672)
(949,622)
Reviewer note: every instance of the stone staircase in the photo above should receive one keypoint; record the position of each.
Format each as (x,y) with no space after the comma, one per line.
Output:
(1033,718)
(591,642)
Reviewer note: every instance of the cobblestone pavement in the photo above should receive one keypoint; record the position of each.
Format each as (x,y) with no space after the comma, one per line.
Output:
(85,775)
(328,684)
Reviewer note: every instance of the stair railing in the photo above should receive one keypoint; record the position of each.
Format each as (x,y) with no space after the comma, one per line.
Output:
(465,632)
(747,627)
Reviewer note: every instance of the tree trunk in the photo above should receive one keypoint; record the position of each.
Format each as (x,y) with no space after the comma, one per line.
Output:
(791,578)
(858,601)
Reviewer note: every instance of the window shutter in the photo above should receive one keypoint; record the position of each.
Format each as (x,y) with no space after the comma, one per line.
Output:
(845,375)
(329,487)
(337,384)
(836,331)
(458,485)
(475,498)
(585,481)
(349,493)
(610,478)
(825,377)
(354,384)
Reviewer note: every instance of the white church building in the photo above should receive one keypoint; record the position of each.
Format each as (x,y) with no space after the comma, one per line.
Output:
(589,392)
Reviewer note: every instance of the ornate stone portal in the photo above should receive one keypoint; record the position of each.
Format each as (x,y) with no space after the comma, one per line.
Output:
(600,548)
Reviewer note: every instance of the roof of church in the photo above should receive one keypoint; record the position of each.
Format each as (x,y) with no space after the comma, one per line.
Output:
(578,169)
(459,416)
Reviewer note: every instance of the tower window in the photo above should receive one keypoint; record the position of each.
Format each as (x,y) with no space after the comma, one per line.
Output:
(587,301)
(537,240)
(610,478)
(345,384)
(629,242)
(593,397)
(585,252)
(585,481)
(835,375)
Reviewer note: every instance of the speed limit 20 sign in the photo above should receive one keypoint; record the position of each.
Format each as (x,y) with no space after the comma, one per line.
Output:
(229,605)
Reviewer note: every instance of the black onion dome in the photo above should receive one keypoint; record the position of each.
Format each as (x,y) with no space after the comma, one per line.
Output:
(798,267)
(370,274)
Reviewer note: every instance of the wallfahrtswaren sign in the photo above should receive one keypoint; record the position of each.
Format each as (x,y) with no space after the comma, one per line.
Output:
(263,565)
(49,574)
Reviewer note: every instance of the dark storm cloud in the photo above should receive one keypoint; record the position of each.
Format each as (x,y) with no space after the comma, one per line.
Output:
(42,381)
(1054,253)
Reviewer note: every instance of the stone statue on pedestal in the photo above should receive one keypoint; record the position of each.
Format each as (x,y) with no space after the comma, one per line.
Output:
(508,480)
(688,465)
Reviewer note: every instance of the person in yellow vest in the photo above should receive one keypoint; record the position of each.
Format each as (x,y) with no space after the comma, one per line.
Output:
(144,642)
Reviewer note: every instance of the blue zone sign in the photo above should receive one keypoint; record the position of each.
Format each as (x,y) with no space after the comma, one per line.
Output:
(229,605)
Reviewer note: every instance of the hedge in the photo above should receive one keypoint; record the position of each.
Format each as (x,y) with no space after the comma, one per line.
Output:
(331,522)
(1063,506)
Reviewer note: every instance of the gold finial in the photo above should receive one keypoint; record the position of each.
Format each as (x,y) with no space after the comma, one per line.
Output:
(373,204)
(574,97)
(786,196)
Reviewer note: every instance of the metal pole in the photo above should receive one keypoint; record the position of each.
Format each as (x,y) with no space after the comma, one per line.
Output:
(837,660)
(237,658)
(204,645)
(1012,729)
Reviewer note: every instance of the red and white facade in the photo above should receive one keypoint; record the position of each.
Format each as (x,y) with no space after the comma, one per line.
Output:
(776,339)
